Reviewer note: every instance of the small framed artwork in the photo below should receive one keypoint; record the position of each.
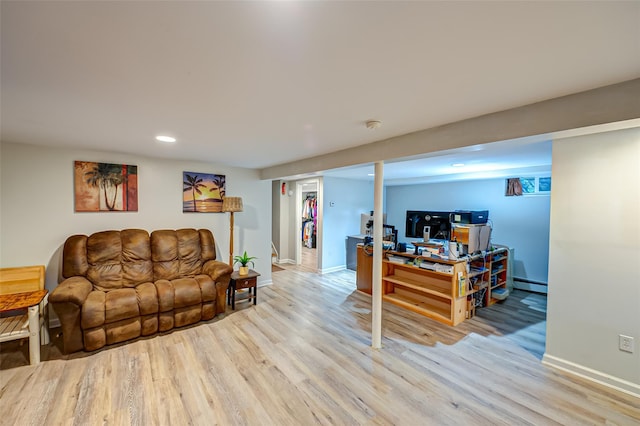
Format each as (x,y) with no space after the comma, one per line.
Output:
(105,187)
(202,192)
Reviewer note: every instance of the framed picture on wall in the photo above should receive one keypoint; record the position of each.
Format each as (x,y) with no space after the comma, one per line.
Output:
(105,187)
(202,192)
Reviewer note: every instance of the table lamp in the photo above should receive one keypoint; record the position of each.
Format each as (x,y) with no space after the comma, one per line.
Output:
(231,205)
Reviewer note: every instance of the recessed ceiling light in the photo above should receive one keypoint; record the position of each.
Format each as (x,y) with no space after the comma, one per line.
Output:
(458,164)
(371,174)
(165,139)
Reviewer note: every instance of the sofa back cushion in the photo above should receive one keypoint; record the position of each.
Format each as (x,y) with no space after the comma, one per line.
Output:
(104,256)
(137,267)
(164,253)
(208,245)
(180,253)
(127,258)
(74,257)
(190,252)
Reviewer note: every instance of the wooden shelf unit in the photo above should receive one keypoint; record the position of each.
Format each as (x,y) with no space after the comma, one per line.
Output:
(435,294)
(498,263)
(487,272)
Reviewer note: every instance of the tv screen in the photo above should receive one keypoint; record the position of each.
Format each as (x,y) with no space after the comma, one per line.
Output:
(438,224)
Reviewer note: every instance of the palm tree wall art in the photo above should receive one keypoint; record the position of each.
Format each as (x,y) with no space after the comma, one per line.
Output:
(105,187)
(202,192)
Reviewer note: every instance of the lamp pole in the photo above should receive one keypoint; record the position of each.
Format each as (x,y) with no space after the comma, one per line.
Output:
(231,241)
(231,205)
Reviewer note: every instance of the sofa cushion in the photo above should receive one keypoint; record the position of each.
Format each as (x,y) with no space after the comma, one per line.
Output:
(189,252)
(208,245)
(93,310)
(164,254)
(104,251)
(121,304)
(187,315)
(187,292)
(207,288)
(125,329)
(94,338)
(137,267)
(166,295)
(148,324)
(147,296)
(75,256)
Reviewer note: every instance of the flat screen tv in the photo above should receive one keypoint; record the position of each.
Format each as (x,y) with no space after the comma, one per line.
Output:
(437,223)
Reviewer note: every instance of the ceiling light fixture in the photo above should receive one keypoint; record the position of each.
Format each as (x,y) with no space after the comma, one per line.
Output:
(458,165)
(373,124)
(167,139)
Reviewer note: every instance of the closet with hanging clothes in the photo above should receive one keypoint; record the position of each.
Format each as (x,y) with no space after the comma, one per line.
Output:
(309,219)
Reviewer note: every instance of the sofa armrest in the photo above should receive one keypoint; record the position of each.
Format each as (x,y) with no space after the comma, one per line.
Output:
(220,273)
(216,269)
(67,300)
(72,290)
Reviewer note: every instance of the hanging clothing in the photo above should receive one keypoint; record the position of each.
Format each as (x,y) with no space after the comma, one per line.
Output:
(309,207)
(309,220)
(308,234)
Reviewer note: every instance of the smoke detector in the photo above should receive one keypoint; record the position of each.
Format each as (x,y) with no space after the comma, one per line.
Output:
(373,124)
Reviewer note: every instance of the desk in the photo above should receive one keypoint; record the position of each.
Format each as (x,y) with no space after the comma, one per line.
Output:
(238,282)
(21,326)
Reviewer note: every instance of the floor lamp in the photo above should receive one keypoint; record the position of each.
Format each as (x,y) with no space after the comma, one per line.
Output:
(231,205)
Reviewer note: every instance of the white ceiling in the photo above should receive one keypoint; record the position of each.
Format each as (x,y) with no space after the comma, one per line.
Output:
(255,84)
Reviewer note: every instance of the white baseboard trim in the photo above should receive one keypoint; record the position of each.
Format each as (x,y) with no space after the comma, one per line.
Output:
(592,375)
(264,283)
(287,261)
(537,288)
(334,269)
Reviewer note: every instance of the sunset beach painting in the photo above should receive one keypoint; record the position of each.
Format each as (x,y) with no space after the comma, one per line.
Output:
(202,192)
(105,187)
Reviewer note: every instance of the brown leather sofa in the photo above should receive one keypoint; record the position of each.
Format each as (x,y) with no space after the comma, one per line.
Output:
(120,285)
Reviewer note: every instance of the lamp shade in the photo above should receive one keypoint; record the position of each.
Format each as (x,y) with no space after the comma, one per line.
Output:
(232,204)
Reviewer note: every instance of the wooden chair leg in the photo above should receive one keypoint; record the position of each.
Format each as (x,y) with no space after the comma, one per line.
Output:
(34,335)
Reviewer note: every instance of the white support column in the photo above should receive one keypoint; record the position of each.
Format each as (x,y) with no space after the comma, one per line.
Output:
(376,308)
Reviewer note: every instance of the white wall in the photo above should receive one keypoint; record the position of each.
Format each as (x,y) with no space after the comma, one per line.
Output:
(37,206)
(275,213)
(518,222)
(594,275)
(290,212)
(344,200)
(287,223)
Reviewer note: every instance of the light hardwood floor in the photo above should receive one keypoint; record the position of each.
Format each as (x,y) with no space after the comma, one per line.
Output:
(309,259)
(302,356)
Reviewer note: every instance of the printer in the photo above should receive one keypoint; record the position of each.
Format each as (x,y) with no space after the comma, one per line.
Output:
(476,217)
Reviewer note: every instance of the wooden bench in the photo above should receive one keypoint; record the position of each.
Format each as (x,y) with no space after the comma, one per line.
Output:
(22,289)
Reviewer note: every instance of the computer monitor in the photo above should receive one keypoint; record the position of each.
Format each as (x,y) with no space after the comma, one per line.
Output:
(419,222)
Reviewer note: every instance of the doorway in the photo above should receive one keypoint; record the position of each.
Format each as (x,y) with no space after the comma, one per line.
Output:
(308,223)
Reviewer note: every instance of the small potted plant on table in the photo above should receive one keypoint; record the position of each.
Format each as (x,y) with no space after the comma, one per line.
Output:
(244,261)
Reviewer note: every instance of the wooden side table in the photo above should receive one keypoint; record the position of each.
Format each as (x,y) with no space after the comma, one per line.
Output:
(21,326)
(239,282)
